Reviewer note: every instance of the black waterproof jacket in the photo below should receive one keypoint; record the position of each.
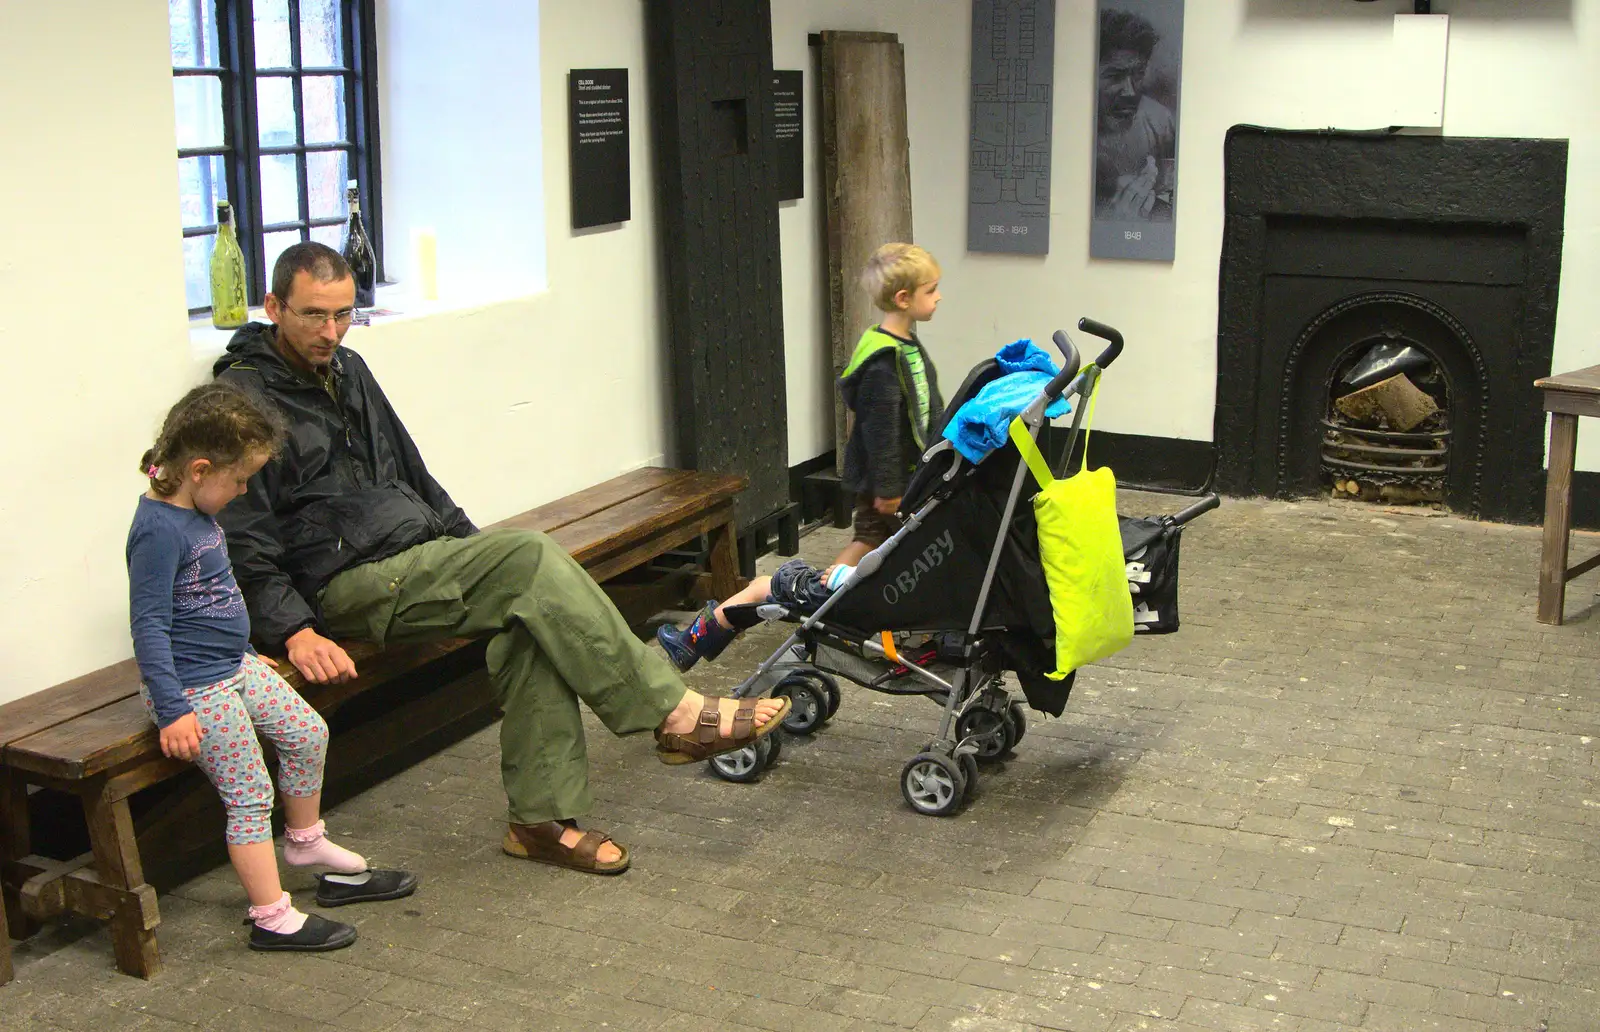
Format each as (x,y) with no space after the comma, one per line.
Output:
(881,451)
(348,488)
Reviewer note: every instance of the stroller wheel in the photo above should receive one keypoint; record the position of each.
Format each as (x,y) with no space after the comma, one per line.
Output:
(741,765)
(810,704)
(992,730)
(770,748)
(1017,717)
(831,688)
(933,784)
(969,770)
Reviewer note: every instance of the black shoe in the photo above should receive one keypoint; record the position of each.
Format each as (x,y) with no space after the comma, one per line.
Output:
(382,885)
(317,935)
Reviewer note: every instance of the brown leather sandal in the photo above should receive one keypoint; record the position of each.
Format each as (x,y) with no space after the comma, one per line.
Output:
(706,739)
(542,843)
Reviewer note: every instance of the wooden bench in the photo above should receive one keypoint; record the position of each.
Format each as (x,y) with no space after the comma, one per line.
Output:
(91,736)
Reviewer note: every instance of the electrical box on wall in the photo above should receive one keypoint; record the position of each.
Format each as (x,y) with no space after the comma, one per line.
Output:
(1421,46)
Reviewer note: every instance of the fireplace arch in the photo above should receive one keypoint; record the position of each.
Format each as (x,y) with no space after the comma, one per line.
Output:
(1347,328)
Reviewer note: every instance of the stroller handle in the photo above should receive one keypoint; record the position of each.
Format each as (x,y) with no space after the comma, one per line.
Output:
(1070,363)
(1104,332)
(1199,508)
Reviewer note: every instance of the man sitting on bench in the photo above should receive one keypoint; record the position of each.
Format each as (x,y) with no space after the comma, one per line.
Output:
(346,535)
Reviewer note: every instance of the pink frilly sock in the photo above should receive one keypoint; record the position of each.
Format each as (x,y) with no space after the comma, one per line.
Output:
(280,917)
(310,847)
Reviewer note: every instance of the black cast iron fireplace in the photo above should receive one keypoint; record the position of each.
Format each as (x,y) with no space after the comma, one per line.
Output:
(1343,246)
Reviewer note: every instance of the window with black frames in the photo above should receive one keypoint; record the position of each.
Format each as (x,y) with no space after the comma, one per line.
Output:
(276,111)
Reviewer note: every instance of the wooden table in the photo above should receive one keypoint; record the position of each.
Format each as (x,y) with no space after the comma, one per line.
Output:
(1566,397)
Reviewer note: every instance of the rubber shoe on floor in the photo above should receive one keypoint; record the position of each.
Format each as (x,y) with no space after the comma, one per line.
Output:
(382,885)
(317,935)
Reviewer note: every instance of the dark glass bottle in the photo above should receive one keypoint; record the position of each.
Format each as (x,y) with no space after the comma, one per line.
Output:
(358,251)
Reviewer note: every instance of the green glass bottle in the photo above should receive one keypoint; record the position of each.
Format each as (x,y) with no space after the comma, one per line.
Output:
(228,308)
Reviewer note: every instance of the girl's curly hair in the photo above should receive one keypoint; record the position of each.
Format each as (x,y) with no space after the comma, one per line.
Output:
(217,421)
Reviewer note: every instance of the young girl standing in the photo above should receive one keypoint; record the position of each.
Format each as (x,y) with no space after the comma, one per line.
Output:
(209,692)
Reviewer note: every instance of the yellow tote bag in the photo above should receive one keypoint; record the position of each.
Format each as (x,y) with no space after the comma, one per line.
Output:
(1080,549)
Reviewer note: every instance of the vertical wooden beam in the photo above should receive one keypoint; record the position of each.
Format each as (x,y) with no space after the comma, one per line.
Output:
(866,188)
(1557,517)
(116,859)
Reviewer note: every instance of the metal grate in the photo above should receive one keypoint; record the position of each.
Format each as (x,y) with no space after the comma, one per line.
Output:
(1387,464)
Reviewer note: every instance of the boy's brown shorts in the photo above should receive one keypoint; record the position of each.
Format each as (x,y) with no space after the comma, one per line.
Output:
(872,527)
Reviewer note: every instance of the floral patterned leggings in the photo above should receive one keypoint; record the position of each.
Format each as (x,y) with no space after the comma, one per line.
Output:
(230,713)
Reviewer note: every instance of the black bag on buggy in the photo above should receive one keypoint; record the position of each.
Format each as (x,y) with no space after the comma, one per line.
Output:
(1150,548)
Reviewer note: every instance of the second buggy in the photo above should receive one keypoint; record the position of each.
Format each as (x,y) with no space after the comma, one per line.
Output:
(956,598)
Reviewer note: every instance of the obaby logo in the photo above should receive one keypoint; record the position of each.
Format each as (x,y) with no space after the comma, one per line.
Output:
(905,582)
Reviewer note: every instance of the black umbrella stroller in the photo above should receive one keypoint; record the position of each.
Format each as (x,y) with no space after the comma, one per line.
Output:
(952,601)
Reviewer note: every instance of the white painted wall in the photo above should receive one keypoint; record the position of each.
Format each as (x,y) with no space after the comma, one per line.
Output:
(1514,70)
(513,403)
(92,319)
(517,402)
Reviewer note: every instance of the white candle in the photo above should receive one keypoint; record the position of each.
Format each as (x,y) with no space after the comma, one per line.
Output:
(425,260)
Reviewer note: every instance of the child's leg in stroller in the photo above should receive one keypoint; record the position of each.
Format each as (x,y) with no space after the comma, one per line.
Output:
(758,590)
(711,631)
(799,585)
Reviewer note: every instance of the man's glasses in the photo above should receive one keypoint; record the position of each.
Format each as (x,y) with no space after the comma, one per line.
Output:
(313,317)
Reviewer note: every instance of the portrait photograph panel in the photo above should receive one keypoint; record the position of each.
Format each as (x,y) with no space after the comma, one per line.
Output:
(1139,51)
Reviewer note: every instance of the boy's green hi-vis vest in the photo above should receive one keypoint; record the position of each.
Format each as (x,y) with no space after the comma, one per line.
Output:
(918,398)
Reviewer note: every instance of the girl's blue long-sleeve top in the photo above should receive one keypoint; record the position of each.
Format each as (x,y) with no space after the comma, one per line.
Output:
(188,618)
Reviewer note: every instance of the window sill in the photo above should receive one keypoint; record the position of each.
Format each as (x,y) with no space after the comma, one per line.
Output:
(206,342)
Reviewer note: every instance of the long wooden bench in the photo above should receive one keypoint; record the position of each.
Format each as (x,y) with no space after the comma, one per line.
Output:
(91,737)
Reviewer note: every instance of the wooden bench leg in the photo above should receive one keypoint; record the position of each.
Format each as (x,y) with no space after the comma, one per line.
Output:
(1557,517)
(724,561)
(6,972)
(789,531)
(15,843)
(843,508)
(117,864)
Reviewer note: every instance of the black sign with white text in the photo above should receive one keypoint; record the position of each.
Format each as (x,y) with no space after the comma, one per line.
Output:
(788,134)
(597,117)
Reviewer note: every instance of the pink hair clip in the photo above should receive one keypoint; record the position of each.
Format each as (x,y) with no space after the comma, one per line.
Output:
(153,472)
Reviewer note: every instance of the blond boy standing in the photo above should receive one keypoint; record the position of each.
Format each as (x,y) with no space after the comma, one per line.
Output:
(891,388)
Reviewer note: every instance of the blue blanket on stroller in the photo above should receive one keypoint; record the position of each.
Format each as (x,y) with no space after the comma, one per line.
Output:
(980,426)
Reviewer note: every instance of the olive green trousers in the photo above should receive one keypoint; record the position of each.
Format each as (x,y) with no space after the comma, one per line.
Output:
(555,638)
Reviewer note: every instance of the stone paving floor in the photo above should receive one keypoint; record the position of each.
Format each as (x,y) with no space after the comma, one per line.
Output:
(1358,790)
